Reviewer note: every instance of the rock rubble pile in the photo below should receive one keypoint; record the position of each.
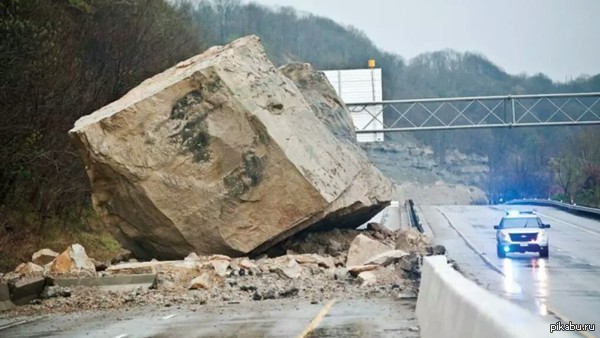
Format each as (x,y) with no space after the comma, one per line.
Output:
(315,267)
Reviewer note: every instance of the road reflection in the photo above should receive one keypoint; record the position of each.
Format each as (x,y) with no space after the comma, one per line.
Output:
(540,276)
(538,268)
(510,273)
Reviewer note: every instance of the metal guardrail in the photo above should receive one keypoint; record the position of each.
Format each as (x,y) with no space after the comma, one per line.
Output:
(507,111)
(575,209)
(413,218)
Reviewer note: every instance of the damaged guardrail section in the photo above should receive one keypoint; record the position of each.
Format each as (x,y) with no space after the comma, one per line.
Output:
(450,305)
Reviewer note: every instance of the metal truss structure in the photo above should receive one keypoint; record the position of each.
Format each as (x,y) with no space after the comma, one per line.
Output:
(479,112)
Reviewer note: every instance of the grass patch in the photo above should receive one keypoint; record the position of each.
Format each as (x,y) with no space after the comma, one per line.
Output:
(24,238)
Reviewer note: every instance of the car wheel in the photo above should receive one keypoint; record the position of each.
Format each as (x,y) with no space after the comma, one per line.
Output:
(500,251)
(544,251)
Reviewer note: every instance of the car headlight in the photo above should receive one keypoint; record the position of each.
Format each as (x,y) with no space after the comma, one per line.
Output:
(504,237)
(541,234)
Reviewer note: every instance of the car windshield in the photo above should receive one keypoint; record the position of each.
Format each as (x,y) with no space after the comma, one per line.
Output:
(529,222)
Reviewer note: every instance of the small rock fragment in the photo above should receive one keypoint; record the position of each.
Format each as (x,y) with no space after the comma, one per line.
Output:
(204,281)
(411,263)
(219,257)
(123,256)
(341,274)
(356,269)
(290,270)
(411,240)
(99,266)
(73,260)
(220,266)
(367,278)
(289,292)
(386,258)
(363,248)
(439,250)
(248,288)
(29,269)
(43,257)
(55,291)
(271,293)
(192,257)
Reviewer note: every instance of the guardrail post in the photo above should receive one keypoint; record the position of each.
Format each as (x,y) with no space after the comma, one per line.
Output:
(413,218)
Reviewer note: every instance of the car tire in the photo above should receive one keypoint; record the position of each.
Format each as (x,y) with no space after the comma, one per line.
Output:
(544,252)
(500,252)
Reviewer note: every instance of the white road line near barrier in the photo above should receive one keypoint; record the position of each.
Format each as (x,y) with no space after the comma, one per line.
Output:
(552,311)
(472,246)
(450,305)
(570,224)
(561,221)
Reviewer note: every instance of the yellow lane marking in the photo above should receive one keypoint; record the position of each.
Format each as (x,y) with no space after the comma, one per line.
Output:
(315,322)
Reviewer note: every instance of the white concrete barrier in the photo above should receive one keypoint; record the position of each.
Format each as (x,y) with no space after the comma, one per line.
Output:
(5,302)
(449,305)
(389,217)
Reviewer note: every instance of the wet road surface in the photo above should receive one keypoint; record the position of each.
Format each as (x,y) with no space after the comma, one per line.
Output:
(288,318)
(564,286)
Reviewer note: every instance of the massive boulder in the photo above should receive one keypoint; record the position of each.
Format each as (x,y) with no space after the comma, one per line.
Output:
(223,153)
(324,102)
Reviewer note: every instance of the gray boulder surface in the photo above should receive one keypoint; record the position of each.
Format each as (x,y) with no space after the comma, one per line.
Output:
(223,153)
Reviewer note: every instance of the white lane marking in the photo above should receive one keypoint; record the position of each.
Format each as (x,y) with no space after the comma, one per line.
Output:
(122,335)
(26,321)
(8,326)
(570,224)
(510,282)
(501,272)
(169,316)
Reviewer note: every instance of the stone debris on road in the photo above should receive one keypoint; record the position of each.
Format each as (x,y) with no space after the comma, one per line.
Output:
(220,279)
(214,216)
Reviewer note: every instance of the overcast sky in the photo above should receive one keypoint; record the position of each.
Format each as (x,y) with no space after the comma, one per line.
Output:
(560,38)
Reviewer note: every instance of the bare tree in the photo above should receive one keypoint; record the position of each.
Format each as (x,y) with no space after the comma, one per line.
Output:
(225,8)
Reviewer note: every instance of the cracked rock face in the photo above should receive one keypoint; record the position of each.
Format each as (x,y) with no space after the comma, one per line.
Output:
(223,153)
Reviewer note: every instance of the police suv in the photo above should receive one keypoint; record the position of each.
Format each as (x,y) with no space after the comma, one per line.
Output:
(521,231)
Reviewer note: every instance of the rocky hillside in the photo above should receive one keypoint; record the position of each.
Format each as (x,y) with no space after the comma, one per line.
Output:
(410,162)
(419,175)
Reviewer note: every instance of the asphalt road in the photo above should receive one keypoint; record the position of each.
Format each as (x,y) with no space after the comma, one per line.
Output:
(277,318)
(565,286)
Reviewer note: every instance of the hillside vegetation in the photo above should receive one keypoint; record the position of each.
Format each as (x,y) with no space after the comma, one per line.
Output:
(62,59)
(524,162)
